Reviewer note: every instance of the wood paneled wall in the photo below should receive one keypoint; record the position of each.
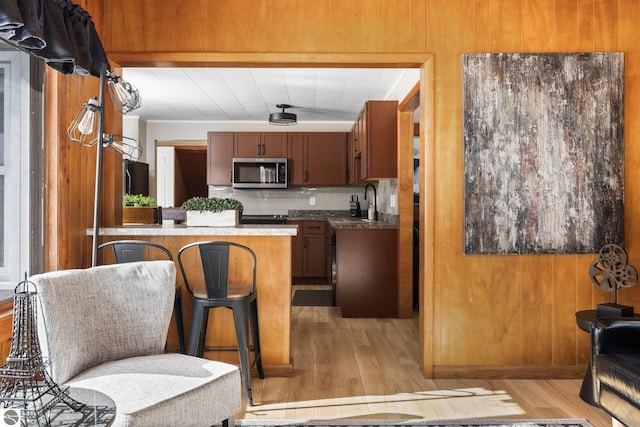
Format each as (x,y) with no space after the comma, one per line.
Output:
(514,311)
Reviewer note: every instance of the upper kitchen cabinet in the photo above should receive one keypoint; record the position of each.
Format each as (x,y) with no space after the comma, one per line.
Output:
(377,138)
(219,158)
(318,158)
(260,144)
(353,156)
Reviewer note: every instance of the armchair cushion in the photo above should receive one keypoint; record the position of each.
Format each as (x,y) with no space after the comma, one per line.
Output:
(166,389)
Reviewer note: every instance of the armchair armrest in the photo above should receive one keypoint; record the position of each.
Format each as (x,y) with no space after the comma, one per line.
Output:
(615,335)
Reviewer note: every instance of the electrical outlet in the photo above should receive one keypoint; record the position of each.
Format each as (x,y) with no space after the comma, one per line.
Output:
(312,200)
(392,201)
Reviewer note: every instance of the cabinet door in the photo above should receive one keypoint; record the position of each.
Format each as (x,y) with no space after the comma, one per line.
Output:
(325,158)
(274,144)
(353,160)
(296,159)
(367,272)
(247,144)
(314,255)
(219,158)
(379,152)
(296,250)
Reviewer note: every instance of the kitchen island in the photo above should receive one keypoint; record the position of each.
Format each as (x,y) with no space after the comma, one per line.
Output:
(272,246)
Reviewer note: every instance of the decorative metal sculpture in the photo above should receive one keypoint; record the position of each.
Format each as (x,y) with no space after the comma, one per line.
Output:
(26,385)
(610,270)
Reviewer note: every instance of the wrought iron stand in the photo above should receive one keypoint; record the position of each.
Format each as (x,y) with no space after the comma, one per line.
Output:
(26,385)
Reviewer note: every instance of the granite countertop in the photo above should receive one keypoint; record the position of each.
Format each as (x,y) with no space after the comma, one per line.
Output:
(183,230)
(340,220)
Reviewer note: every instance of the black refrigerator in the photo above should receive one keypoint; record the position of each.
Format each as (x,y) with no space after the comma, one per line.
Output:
(135,177)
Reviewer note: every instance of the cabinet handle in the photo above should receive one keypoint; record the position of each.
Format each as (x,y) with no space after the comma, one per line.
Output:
(231,176)
(264,151)
(316,227)
(259,149)
(304,241)
(306,176)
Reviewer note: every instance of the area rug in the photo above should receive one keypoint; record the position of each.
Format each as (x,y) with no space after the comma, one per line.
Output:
(579,422)
(312,297)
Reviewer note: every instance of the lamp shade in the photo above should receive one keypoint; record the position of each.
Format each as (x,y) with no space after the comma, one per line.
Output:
(84,127)
(283,118)
(124,96)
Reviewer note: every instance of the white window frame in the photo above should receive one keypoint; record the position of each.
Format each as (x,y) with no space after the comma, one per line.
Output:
(16,168)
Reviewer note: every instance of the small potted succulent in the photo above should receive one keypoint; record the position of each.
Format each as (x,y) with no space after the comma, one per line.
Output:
(212,211)
(137,209)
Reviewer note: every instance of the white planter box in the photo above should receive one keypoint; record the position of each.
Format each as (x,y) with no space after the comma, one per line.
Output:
(229,218)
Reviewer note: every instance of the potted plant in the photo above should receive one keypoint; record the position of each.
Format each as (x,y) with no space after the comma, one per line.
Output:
(212,211)
(138,209)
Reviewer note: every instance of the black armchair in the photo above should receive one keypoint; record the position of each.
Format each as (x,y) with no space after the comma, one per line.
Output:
(615,364)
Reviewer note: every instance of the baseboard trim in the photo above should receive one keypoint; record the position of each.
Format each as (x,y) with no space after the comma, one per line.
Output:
(507,372)
(277,370)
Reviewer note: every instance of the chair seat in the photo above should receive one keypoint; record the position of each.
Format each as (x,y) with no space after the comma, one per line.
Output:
(163,389)
(233,291)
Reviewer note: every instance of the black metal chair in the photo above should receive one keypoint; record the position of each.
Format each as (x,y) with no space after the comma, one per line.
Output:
(218,287)
(134,251)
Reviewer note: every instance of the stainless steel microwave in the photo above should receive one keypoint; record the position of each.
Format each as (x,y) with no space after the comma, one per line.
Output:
(259,172)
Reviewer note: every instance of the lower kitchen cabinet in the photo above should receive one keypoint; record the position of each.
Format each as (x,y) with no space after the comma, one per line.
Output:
(367,272)
(308,250)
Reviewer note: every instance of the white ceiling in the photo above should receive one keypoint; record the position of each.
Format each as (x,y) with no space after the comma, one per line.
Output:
(250,94)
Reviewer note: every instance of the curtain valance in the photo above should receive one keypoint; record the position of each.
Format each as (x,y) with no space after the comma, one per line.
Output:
(57,31)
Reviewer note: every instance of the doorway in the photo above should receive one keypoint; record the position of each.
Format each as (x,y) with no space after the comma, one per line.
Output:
(181,171)
(424,62)
(190,173)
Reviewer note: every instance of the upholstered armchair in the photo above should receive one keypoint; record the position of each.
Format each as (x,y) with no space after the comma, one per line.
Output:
(105,329)
(615,364)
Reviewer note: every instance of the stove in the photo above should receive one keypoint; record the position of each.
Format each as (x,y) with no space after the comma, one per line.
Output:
(263,219)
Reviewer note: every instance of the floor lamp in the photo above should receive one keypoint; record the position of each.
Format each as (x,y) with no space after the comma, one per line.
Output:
(87,128)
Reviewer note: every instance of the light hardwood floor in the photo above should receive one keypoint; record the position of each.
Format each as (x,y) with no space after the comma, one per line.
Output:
(368,368)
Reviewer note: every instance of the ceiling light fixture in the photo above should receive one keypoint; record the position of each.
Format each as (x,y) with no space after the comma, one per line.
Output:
(283,118)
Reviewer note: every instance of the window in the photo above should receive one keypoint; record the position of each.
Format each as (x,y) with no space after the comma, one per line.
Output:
(14,167)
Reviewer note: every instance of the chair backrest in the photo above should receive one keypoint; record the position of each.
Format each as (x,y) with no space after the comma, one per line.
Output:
(134,250)
(215,259)
(103,313)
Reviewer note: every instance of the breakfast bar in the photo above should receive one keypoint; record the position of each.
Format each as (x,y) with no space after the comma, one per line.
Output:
(272,246)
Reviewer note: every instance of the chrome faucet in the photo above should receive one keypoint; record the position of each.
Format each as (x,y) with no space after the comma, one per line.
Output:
(375,199)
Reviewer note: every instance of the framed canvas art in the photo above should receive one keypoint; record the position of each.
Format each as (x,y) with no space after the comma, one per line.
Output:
(543,152)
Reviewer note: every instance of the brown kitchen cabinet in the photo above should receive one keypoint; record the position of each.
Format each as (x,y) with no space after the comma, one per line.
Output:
(219,158)
(308,249)
(353,156)
(260,144)
(367,272)
(318,158)
(377,129)
(296,158)
(325,158)
(296,250)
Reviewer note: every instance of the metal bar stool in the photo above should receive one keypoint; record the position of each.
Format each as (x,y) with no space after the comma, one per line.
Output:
(134,251)
(217,287)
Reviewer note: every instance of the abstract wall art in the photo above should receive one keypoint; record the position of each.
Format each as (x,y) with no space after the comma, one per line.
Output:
(543,152)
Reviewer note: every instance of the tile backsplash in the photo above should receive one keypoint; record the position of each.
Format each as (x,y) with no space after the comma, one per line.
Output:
(279,202)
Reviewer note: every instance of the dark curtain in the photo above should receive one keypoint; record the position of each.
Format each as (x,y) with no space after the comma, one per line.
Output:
(57,31)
